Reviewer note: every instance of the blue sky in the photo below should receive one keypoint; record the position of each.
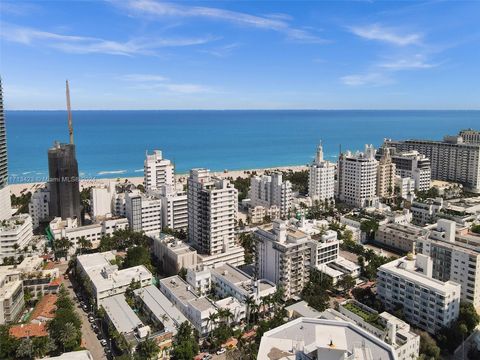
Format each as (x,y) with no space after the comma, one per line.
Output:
(147,54)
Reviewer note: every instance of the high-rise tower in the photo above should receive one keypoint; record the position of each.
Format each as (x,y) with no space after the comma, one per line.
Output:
(5,205)
(63,176)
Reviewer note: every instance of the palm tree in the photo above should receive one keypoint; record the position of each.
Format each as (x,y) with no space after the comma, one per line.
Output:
(212,318)
(249,301)
(84,244)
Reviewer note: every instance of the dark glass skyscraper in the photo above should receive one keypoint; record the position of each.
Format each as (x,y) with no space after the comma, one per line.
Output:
(63,182)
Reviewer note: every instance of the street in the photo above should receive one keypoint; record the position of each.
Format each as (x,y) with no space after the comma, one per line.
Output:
(89,338)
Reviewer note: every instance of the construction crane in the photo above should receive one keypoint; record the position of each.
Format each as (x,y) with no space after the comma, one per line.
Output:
(69,112)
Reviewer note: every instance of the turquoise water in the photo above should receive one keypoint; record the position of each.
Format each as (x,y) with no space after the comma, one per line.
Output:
(113,143)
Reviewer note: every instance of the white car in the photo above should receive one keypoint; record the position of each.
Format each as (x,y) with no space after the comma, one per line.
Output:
(103,342)
(221,351)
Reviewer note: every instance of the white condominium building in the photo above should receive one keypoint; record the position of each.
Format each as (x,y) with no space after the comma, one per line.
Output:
(173,254)
(157,171)
(70,230)
(283,256)
(311,338)
(406,187)
(11,297)
(106,279)
(212,212)
(425,212)
(15,234)
(271,190)
(427,303)
(470,136)
(455,256)
(321,178)
(102,200)
(38,207)
(384,326)
(174,208)
(451,159)
(385,176)
(410,164)
(357,178)
(144,213)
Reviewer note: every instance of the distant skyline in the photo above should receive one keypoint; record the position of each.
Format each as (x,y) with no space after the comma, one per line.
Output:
(146,54)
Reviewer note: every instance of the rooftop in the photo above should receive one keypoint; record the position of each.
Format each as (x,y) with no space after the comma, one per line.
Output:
(161,307)
(326,339)
(28,330)
(180,288)
(45,308)
(121,314)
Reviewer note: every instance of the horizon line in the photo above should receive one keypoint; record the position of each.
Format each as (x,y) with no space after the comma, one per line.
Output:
(273,109)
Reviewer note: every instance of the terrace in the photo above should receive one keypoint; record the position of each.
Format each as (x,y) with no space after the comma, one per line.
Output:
(369,317)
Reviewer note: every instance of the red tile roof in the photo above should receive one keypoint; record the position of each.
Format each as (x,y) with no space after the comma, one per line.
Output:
(45,307)
(28,330)
(56,282)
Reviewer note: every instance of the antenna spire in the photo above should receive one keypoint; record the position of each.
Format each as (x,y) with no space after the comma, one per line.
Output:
(69,112)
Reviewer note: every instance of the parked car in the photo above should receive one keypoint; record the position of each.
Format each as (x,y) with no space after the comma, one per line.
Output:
(221,351)
(91,319)
(103,342)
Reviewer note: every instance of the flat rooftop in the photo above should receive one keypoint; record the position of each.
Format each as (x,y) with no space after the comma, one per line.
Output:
(121,314)
(180,288)
(331,338)
(161,307)
(232,274)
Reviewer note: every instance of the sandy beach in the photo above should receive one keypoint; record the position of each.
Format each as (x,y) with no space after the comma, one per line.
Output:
(18,189)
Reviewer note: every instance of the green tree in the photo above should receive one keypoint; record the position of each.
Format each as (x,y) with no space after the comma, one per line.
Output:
(185,343)
(428,346)
(346,283)
(25,349)
(138,255)
(147,350)
(8,344)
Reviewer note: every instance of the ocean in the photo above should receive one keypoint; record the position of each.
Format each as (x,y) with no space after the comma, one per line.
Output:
(113,143)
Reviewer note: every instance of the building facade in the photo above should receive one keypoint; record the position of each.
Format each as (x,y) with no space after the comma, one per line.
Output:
(16,233)
(427,303)
(321,178)
(63,182)
(451,159)
(357,178)
(271,190)
(5,205)
(212,212)
(385,176)
(157,171)
(39,206)
(144,213)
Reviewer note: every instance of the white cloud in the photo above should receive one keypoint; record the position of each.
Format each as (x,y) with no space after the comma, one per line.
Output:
(89,45)
(388,35)
(371,78)
(151,82)
(221,51)
(142,77)
(275,23)
(408,63)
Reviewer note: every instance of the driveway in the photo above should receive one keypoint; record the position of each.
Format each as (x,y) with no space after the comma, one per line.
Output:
(89,338)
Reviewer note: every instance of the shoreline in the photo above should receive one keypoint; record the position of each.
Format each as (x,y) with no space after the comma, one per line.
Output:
(18,189)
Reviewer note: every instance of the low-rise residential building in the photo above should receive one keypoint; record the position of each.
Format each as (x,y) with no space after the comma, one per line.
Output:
(384,326)
(11,298)
(196,309)
(424,212)
(29,331)
(200,279)
(15,233)
(427,303)
(74,355)
(311,338)
(258,214)
(228,280)
(70,230)
(173,254)
(123,319)
(159,309)
(400,237)
(106,279)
